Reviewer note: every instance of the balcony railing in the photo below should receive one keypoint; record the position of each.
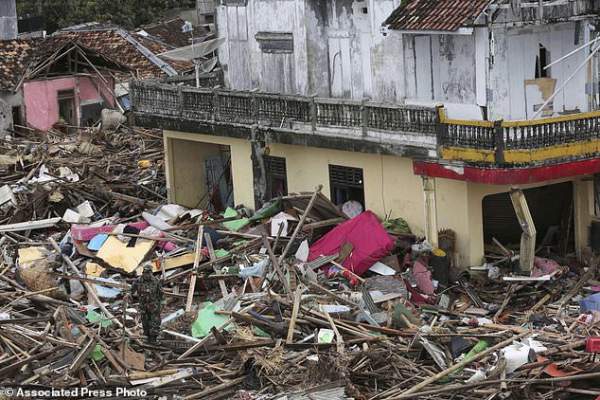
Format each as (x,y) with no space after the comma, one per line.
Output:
(279,111)
(520,142)
(491,142)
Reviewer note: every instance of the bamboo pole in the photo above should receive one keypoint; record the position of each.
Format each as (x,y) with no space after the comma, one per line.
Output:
(459,365)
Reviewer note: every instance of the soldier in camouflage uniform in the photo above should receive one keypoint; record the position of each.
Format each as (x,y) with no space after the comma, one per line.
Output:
(148,291)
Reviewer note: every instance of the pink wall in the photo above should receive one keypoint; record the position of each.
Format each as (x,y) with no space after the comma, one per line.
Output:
(41,98)
(87,90)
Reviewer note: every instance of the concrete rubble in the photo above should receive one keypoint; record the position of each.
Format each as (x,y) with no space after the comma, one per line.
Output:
(293,301)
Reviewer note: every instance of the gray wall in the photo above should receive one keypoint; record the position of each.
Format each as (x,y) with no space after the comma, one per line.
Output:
(8,20)
(340,50)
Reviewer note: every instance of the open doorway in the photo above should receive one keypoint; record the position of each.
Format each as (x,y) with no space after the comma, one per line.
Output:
(66,107)
(218,179)
(551,208)
(200,174)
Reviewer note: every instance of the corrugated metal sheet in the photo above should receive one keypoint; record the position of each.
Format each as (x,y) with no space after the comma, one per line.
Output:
(435,15)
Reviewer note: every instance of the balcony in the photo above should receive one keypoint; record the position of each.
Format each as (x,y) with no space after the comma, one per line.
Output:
(411,131)
(385,128)
(522,143)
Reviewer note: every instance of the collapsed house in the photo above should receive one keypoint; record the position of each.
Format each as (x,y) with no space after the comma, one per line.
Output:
(71,76)
(313,295)
(56,82)
(401,109)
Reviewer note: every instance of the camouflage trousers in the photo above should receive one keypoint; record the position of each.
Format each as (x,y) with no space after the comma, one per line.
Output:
(151,324)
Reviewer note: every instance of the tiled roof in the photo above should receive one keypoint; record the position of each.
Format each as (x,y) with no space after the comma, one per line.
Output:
(19,58)
(112,44)
(435,15)
(15,56)
(169,32)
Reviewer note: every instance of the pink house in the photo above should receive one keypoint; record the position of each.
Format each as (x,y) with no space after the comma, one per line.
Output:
(56,81)
(72,100)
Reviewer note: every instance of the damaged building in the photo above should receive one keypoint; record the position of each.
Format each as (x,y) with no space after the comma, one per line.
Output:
(398,107)
(70,77)
(59,82)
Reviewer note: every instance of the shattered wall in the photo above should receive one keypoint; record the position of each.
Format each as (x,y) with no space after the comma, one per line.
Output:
(8,20)
(185,171)
(41,98)
(6,120)
(338,49)
(514,53)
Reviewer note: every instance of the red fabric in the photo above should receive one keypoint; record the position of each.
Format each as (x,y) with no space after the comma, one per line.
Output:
(85,233)
(369,240)
(543,266)
(423,277)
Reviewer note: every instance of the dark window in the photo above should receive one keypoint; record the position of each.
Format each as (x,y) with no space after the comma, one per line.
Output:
(541,61)
(66,106)
(275,42)
(346,184)
(16,115)
(276,176)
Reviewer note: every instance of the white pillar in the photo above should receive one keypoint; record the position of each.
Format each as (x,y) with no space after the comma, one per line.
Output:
(431,229)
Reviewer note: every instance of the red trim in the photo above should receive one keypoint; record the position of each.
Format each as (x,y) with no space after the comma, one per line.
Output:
(507,176)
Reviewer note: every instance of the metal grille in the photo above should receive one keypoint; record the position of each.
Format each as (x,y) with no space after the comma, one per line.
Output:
(275,166)
(346,176)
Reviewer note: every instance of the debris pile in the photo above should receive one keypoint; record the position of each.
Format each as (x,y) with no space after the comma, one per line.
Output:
(294,301)
(79,176)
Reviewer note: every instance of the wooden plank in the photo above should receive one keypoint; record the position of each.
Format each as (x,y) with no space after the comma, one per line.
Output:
(213,257)
(460,365)
(197,257)
(527,250)
(295,308)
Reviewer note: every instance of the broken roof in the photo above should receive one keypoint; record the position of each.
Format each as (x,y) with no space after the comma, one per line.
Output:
(14,59)
(21,59)
(168,33)
(137,52)
(435,15)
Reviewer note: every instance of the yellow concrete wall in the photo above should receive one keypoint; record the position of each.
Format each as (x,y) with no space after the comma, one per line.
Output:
(389,182)
(185,152)
(189,172)
(584,211)
(473,252)
(390,187)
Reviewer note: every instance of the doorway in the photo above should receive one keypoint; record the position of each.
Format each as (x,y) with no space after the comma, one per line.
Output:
(551,208)
(66,107)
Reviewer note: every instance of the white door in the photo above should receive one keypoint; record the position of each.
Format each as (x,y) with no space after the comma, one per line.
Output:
(423,70)
(340,66)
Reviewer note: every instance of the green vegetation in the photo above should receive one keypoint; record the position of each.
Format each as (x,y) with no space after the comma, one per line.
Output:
(127,13)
